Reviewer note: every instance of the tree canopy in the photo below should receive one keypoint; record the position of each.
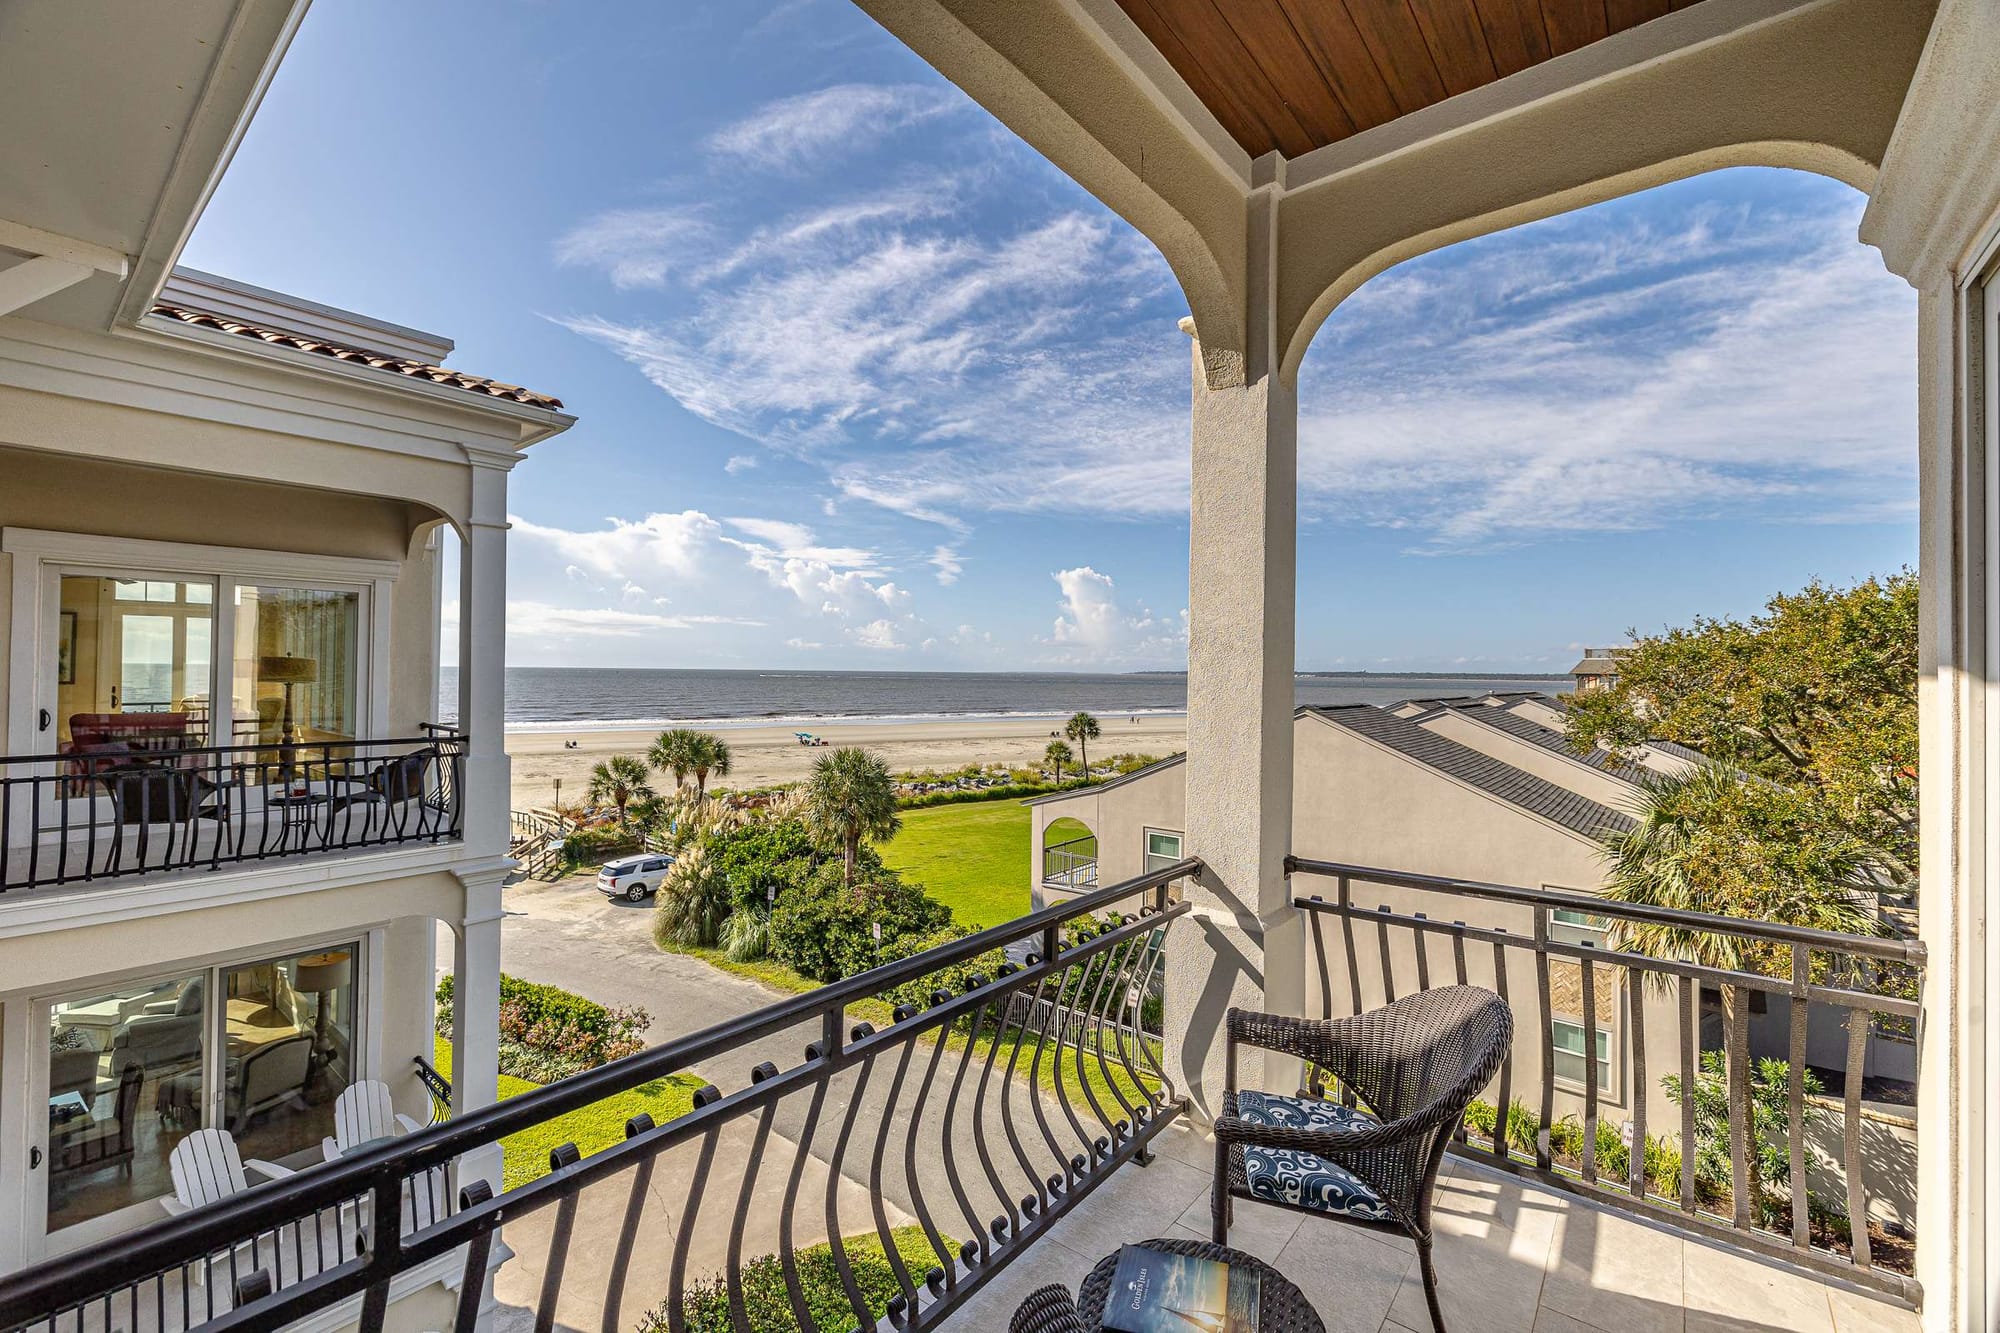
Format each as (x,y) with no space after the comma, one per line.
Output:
(1816,696)
(849,796)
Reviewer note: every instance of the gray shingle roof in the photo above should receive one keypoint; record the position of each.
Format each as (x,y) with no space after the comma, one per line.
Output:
(1533,732)
(1678,751)
(1465,764)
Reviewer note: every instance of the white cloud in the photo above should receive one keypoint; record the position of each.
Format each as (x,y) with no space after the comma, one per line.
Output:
(1095,629)
(739,463)
(541,620)
(1584,378)
(931,372)
(879,635)
(634,247)
(945,560)
(794,132)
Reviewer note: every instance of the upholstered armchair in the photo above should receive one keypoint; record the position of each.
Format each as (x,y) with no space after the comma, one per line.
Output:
(1413,1066)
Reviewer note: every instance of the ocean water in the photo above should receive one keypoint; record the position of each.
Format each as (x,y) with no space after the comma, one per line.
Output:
(567,698)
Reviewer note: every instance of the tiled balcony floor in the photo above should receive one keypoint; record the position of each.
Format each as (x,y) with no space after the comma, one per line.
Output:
(1511,1258)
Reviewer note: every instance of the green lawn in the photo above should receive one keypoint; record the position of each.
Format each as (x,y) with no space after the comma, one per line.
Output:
(973,858)
(591,1129)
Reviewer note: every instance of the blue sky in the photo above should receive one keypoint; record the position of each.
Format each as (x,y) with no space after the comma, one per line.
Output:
(865,383)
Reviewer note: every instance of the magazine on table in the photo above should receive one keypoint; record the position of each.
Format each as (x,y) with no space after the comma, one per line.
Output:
(1157,1292)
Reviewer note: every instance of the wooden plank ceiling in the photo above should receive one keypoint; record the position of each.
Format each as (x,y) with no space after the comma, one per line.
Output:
(1296,75)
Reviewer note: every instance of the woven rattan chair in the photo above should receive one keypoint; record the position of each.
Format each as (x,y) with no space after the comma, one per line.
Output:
(1414,1066)
(1047,1310)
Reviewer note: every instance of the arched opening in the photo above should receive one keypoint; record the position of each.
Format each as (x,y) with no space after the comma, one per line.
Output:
(1681,417)
(1069,853)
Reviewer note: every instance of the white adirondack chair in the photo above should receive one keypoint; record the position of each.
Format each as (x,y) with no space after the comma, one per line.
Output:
(208,1169)
(363,1112)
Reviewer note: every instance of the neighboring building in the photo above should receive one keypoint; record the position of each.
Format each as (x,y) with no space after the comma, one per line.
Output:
(1599,668)
(1483,789)
(232,823)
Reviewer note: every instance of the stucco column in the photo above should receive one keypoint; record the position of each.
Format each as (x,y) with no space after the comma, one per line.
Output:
(1241,946)
(482,655)
(475,1017)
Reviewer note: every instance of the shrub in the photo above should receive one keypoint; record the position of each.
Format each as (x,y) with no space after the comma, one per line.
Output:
(746,936)
(1015,789)
(693,902)
(825,931)
(705,1304)
(548,1033)
(956,978)
(591,846)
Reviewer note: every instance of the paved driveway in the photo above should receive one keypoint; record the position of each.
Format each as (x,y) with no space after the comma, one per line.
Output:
(569,935)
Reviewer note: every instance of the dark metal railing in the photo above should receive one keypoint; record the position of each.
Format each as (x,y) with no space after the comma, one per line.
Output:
(99,813)
(437,1085)
(1546,952)
(1070,865)
(984,1165)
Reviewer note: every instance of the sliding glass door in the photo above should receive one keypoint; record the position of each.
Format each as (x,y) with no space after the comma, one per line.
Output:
(260,1048)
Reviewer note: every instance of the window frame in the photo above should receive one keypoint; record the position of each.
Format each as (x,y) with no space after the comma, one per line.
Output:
(42,558)
(1608,1087)
(365,1054)
(1146,852)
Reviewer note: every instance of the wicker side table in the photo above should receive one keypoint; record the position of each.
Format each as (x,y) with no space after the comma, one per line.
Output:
(1281,1307)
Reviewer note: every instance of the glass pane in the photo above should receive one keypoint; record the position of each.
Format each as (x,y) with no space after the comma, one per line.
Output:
(291,1049)
(129,649)
(125,1084)
(297,651)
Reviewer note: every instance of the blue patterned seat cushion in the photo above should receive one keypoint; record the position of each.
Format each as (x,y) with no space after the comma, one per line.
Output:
(1299,1178)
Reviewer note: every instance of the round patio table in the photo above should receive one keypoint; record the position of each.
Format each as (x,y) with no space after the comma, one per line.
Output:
(1281,1306)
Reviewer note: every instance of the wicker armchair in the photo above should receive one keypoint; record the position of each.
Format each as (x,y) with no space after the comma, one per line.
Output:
(1414,1065)
(1047,1310)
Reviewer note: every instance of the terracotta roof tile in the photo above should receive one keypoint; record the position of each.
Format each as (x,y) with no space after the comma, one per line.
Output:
(395,365)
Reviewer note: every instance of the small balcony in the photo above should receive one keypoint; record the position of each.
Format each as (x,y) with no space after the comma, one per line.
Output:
(920,1146)
(1070,866)
(122,809)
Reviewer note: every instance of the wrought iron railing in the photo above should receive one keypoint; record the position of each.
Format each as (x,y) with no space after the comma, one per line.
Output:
(977,1133)
(1072,864)
(112,811)
(437,1085)
(1589,1122)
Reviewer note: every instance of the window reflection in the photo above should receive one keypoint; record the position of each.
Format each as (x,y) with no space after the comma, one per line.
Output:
(125,1084)
(291,1049)
(295,669)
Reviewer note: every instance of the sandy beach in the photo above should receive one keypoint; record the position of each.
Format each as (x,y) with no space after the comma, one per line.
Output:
(765,755)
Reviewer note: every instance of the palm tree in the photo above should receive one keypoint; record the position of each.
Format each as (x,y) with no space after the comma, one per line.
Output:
(621,779)
(848,797)
(1058,754)
(1692,849)
(673,752)
(1083,729)
(709,754)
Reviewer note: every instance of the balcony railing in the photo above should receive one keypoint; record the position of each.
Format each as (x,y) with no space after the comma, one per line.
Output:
(98,814)
(986,1114)
(1071,865)
(1841,1010)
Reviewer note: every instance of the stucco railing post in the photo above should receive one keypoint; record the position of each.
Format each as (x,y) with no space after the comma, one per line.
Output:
(1242,945)
(475,1015)
(482,655)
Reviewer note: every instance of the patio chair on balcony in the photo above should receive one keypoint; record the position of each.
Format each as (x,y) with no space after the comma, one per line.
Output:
(145,793)
(1047,1310)
(1414,1066)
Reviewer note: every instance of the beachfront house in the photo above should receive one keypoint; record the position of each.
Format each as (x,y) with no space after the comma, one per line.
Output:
(1597,669)
(1278,155)
(231,817)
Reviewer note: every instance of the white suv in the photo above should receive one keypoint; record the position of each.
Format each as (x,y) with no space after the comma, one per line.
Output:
(633,878)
